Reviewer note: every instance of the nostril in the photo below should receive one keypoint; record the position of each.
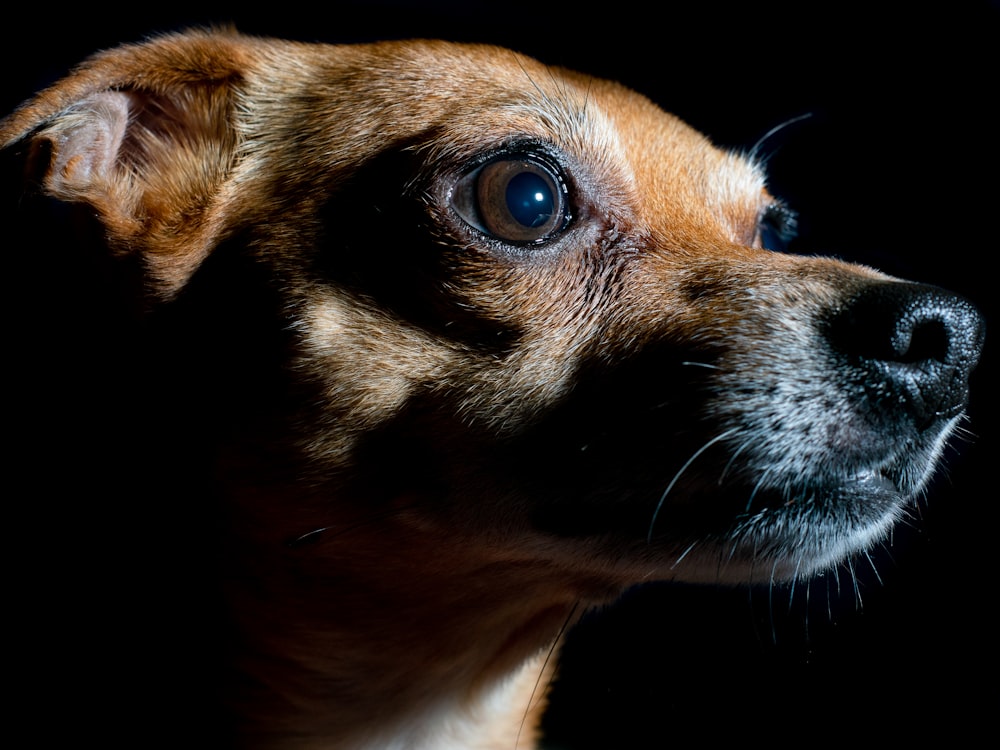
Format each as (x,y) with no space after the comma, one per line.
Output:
(915,341)
(908,323)
(921,341)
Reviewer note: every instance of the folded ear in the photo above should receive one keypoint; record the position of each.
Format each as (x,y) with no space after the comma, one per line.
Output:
(145,135)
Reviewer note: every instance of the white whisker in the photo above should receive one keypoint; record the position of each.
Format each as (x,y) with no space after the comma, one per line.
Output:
(684,554)
(755,152)
(663,497)
(874,569)
(732,459)
(858,603)
(794,581)
(753,492)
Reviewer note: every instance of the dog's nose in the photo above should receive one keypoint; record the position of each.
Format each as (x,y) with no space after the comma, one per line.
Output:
(914,344)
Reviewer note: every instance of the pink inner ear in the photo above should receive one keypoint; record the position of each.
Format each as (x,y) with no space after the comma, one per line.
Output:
(87,144)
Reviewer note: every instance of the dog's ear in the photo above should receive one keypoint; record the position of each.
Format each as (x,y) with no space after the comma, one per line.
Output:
(145,136)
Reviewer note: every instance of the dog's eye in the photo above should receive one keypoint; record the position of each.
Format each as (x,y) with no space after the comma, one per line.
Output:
(518,200)
(776,228)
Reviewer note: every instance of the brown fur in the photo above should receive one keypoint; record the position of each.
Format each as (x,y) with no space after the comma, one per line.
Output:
(429,447)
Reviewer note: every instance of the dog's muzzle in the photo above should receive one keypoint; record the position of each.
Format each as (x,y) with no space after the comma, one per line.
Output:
(802,440)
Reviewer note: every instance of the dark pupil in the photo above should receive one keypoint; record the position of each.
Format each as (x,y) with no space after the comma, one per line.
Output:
(530,199)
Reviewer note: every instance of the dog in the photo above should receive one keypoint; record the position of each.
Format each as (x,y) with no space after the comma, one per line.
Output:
(441,346)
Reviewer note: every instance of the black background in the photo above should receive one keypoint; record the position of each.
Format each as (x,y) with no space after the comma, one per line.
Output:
(896,167)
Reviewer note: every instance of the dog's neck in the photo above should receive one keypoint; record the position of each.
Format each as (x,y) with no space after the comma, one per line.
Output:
(505,716)
(361,634)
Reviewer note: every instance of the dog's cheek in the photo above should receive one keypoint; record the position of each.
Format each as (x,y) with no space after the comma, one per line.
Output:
(363,366)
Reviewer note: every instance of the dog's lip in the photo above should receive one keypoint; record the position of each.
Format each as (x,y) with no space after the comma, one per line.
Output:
(872,482)
(814,529)
(859,499)
(866,492)
(871,485)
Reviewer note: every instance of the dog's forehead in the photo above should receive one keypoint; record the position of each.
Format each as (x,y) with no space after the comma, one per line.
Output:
(453,102)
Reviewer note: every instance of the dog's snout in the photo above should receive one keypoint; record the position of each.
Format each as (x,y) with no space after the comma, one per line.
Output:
(915,344)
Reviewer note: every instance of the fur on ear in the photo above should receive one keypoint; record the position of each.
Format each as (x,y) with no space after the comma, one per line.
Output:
(145,135)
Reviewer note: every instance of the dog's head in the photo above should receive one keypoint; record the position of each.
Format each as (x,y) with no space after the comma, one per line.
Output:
(519,310)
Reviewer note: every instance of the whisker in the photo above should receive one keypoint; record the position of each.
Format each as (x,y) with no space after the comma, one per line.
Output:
(794,581)
(684,554)
(829,602)
(858,603)
(756,488)
(874,569)
(755,151)
(541,672)
(732,459)
(772,585)
(519,59)
(663,497)
(311,537)
(805,612)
